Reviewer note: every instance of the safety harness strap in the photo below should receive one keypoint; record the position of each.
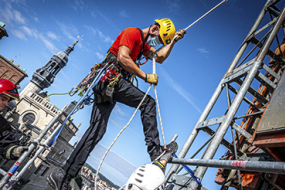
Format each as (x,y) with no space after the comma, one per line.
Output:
(142,47)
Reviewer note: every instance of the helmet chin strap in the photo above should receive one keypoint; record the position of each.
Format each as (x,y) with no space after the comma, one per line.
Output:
(148,33)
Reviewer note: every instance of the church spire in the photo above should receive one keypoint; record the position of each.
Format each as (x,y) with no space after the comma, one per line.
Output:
(44,77)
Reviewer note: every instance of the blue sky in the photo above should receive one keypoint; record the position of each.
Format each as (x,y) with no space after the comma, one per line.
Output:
(40,28)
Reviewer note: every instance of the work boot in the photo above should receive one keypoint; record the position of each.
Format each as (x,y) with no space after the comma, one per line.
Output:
(59,180)
(170,148)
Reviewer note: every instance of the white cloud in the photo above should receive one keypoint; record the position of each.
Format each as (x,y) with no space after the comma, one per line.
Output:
(105,38)
(19,34)
(124,14)
(93,14)
(116,124)
(180,90)
(76,66)
(54,85)
(18,17)
(8,14)
(36,19)
(91,29)
(94,31)
(69,31)
(110,22)
(79,5)
(52,35)
(63,73)
(202,50)
(173,6)
(30,32)
(99,55)
(118,110)
(48,44)
(34,33)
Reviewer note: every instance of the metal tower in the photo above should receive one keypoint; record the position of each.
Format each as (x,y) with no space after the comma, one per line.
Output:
(250,79)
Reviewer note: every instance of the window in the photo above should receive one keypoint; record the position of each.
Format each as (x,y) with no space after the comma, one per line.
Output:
(45,171)
(38,169)
(30,117)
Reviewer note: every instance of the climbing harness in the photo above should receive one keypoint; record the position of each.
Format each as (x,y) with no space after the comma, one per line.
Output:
(111,78)
(86,82)
(139,60)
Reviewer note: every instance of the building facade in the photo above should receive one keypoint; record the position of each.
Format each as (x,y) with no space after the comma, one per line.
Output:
(32,114)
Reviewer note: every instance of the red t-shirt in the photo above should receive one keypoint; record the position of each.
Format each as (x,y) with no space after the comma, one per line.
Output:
(132,38)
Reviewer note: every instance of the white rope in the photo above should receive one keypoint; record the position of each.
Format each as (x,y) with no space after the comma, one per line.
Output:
(206,13)
(159,116)
(122,186)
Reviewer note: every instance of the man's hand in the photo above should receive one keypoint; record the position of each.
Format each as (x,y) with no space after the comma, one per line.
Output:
(17,152)
(180,34)
(152,78)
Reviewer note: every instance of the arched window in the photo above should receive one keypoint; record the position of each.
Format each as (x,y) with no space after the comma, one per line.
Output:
(30,117)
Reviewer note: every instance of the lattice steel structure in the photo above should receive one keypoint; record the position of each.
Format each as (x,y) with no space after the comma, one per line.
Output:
(252,78)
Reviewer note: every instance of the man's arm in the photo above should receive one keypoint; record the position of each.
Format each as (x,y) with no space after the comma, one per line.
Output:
(164,53)
(127,63)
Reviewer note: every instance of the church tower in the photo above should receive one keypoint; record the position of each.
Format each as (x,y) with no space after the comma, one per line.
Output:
(44,77)
(34,112)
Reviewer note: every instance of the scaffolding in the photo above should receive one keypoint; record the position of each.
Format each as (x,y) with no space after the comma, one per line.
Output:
(250,79)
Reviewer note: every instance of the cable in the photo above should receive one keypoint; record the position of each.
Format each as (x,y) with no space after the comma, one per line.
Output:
(61,93)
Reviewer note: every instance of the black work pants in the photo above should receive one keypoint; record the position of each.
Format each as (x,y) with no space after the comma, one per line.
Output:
(126,93)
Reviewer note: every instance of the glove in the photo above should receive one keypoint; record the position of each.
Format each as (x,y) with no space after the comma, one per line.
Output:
(180,34)
(18,151)
(152,78)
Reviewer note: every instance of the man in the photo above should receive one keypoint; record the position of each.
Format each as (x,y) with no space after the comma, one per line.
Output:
(9,148)
(126,49)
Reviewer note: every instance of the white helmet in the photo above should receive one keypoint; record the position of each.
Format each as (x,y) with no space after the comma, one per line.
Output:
(146,177)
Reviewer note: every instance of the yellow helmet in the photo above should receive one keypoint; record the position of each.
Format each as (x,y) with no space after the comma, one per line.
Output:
(166,30)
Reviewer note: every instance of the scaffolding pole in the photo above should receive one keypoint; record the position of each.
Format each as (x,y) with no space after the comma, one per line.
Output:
(217,92)
(249,71)
(38,152)
(26,154)
(209,154)
(254,166)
